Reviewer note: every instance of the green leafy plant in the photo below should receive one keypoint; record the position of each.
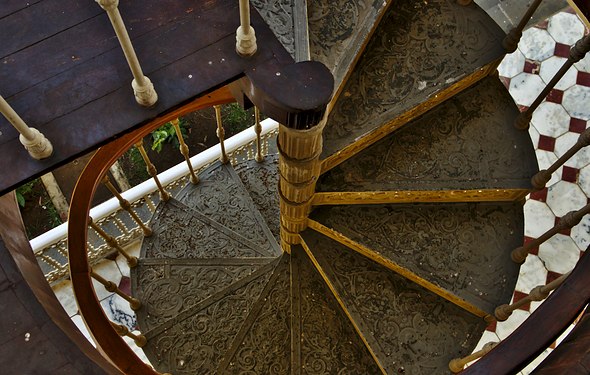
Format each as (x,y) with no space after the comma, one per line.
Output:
(236,119)
(24,190)
(167,134)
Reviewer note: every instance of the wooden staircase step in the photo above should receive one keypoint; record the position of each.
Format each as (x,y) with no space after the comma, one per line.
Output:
(421,54)
(407,328)
(221,196)
(465,149)
(460,251)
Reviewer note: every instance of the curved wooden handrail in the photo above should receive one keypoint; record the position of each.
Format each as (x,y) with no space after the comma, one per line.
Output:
(542,328)
(99,326)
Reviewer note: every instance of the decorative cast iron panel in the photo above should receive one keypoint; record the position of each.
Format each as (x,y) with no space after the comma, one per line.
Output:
(329,342)
(261,180)
(278,14)
(222,197)
(468,142)
(463,248)
(409,329)
(418,49)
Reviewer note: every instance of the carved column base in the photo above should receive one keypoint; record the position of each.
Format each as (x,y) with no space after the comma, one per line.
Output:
(145,95)
(246,41)
(38,147)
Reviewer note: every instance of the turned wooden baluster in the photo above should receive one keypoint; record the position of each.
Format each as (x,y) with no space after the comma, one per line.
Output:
(151,169)
(456,365)
(112,242)
(245,35)
(569,220)
(538,293)
(258,130)
(540,179)
(111,287)
(124,203)
(140,340)
(184,151)
(221,135)
(577,53)
(32,139)
(510,42)
(143,88)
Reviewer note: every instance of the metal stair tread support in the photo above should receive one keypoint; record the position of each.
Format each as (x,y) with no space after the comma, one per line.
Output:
(279,17)
(421,54)
(408,328)
(466,143)
(221,196)
(180,232)
(460,249)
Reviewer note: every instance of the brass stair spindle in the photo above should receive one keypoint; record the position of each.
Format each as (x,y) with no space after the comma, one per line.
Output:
(124,203)
(151,169)
(258,129)
(510,42)
(456,365)
(111,287)
(577,53)
(245,35)
(538,293)
(184,151)
(140,340)
(569,220)
(221,135)
(112,242)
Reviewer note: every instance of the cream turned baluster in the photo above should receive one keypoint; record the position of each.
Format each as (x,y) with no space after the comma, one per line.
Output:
(140,340)
(568,221)
(111,287)
(221,135)
(34,141)
(112,242)
(245,35)
(258,130)
(538,293)
(510,42)
(124,203)
(577,53)
(151,169)
(143,88)
(184,151)
(456,365)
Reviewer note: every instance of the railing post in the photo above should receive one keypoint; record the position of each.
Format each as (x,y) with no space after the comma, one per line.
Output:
(140,340)
(568,221)
(184,151)
(258,130)
(510,42)
(151,169)
(124,203)
(111,287)
(145,94)
(245,35)
(32,139)
(456,365)
(221,134)
(577,53)
(112,242)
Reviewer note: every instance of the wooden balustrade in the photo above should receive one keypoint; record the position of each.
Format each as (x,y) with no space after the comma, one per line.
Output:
(111,287)
(510,42)
(140,340)
(538,293)
(456,365)
(245,35)
(194,179)
(32,139)
(221,134)
(124,203)
(568,221)
(145,94)
(112,242)
(258,130)
(151,169)
(577,53)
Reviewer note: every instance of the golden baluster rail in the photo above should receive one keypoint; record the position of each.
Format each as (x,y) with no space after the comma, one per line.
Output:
(151,169)
(184,151)
(112,242)
(510,42)
(221,135)
(258,129)
(577,53)
(568,221)
(111,287)
(456,365)
(124,203)
(140,340)
(540,179)
(245,35)
(538,293)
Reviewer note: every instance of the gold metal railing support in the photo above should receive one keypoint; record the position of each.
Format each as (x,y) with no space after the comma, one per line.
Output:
(112,242)
(258,130)
(140,340)
(124,203)
(538,293)
(184,151)
(151,169)
(221,134)
(111,287)
(456,365)
(245,35)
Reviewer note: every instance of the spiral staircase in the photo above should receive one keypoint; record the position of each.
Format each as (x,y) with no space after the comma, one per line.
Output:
(407,250)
